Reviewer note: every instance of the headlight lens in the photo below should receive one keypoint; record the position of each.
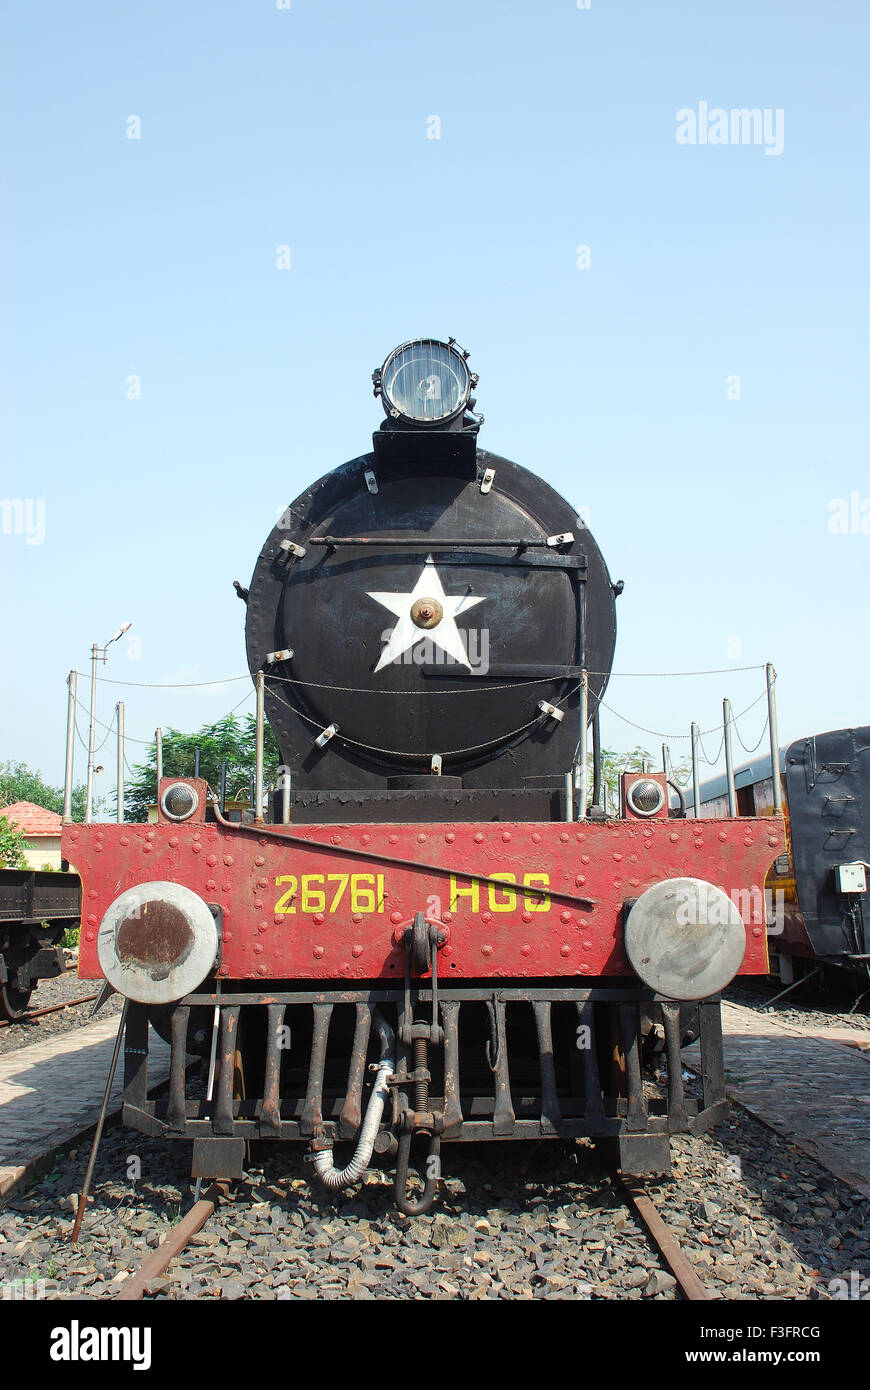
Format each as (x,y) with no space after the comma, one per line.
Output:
(645,797)
(425,382)
(179,801)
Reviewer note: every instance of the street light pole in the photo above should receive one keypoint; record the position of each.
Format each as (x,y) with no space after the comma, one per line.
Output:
(97,654)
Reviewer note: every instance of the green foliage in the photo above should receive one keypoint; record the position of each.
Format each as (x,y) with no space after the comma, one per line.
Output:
(230,740)
(12,846)
(71,937)
(18,782)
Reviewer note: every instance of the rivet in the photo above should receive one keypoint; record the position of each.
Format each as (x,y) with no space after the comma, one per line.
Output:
(450,837)
(228,860)
(617,883)
(772,841)
(224,969)
(394,839)
(357,949)
(486,917)
(584,858)
(125,840)
(748,840)
(674,837)
(262,926)
(261,970)
(262,883)
(259,861)
(757,931)
(421,838)
(319,918)
(258,903)
(536,838)
(196,847)
(228,887)
(505,835)
(585,967)
(486,950)
(336,839)
(210,883)
(723,835)
(89,936)
(527,916)
(146,848)
(564,837)
(93,921)
(565,949)
(92,893)
(580,835)
(149,834)
(98,847)
(632,859)
(357,917)
(447,917)
(635,882)
(395,916)
(258,947)
(318,951)
(228,936)
(617,857)
(566,916)
(173,840)
(211,860)
(587,945)
(478,839)
(365,839)
(278,919)
(580,880)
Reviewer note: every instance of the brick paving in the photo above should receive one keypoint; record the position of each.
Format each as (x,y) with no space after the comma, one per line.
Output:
(809,1083)
(51,1090)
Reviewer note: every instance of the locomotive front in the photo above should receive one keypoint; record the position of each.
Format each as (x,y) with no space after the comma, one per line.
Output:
(432,889)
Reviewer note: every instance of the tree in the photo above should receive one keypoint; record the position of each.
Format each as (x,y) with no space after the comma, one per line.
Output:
(12,846)
(230,740)
(18,782)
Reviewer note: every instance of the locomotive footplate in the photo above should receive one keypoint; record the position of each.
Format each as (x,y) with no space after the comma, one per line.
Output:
(487,1062)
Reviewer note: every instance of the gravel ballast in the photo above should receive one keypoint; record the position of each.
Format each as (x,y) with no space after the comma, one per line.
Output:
(756,1218)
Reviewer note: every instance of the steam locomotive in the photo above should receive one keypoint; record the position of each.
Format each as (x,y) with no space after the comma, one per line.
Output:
(430,931)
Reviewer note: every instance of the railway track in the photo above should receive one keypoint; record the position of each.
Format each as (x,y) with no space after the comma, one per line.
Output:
(157,1262)
(52,1009)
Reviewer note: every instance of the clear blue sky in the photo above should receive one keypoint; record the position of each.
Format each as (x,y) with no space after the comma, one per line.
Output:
(263,127)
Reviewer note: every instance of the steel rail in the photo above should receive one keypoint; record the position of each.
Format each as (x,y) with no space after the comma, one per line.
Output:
(51,1009)
(667,1243)
(172,1244)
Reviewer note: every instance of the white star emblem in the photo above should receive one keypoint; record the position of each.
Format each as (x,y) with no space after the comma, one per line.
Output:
(444,632)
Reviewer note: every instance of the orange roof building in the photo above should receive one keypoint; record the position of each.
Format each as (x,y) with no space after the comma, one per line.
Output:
(41,831)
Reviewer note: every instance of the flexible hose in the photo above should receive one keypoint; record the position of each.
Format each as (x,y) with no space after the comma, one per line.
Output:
(328,1174)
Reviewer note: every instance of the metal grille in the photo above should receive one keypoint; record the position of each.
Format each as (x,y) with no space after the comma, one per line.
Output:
(514,1063)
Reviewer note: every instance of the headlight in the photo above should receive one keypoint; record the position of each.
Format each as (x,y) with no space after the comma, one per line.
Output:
(425,382)
(645,797)
(179,801)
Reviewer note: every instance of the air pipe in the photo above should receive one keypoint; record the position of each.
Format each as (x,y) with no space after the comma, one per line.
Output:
(323,1161)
